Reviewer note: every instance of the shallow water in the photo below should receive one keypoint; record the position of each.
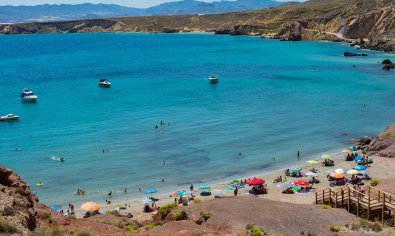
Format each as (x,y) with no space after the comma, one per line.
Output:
(273,99)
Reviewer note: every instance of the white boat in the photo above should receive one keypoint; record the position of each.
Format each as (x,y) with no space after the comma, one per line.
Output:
(28,96)
(104,83)
(9,117)
(213,79)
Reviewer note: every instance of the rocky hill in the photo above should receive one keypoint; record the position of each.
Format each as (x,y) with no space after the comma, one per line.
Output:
(370,23)
(17,204)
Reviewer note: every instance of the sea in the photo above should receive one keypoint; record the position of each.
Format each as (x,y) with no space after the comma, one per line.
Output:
(161,119)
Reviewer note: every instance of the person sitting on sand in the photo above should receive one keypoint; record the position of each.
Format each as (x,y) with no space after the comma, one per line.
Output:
(146,208)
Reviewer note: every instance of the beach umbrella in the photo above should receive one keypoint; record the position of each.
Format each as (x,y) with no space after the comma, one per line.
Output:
(363,172)
(178,193)
(301,182)
(217,193)
(146,200)
(359,167)
(341,171)
(330,171)
(352,149)
(295,169)
(150,191)
(310,174)
(337,176)
(312,162)
(55,208)
(346,151)
(326,156)
(90,206)
(358,158)
(235,181)
(352,172)
(286,185)
(255,181)
(204,187)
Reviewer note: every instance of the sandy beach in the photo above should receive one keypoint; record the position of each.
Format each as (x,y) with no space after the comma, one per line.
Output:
(380,169)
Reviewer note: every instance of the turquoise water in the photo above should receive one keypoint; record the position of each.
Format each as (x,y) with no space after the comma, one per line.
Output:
(273,99)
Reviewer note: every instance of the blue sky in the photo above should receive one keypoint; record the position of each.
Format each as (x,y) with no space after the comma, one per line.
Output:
(130,3)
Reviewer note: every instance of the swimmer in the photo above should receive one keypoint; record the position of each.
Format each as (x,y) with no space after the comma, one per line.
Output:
(125,190)
(140,190)
(17,149)
(110,193)
(163,180)
(156,127)
(161,123)
(240,154)
(164,163)
(274,158)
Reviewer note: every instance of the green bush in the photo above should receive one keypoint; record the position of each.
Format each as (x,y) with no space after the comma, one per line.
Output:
(354,227)
(179,215)
(6,227)
(374,182)
(51,231)
(83,233)
(167,208)
(387,134)
(334,228)
(376,227)
(364,224)
(206,215)
(255,230)
(325,207)
(113,212)
(152,224)
(197,200)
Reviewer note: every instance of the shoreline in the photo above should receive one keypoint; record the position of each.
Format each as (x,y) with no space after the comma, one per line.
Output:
(135,204)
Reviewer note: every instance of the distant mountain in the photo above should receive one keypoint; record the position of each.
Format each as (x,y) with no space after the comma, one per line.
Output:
(14,14)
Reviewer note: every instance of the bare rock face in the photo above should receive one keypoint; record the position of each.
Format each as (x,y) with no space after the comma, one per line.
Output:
(17,202)
(383,145)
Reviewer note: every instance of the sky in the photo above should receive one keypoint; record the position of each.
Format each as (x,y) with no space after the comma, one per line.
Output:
(129,3)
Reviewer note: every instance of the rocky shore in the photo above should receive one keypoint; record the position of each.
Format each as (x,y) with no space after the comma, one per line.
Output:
(367,23)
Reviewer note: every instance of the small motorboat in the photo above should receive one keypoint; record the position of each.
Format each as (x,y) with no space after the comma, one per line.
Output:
(28,96)
(9,117)
(104,83)
(213,79)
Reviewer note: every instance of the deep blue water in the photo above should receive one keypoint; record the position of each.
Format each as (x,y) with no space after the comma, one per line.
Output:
(273,99)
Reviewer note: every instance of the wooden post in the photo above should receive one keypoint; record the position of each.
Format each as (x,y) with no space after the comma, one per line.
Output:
(368,215)
(316,202)
(335,199)
(342,198)
(358,205)
(330,197)
(348,200)
(382,210)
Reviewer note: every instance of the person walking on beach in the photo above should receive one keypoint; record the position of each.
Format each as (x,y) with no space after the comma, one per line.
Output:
(235,191)
(191,187)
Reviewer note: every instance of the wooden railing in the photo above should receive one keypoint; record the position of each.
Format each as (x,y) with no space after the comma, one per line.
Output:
(372,200)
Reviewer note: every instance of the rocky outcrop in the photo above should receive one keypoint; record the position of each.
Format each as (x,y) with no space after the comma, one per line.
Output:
(389,66)
(383,145)
(17,202)
(350,54)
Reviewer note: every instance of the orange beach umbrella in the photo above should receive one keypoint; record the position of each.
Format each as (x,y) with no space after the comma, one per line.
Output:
(90,206)
(337,176)
(347,151)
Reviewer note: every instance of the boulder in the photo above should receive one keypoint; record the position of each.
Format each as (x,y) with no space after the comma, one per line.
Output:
(350,54)
(388,66)
(383,145)
(386,62)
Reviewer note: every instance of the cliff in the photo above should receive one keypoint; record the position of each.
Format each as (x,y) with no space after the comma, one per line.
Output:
(17,204)
(369,23)
(383,145)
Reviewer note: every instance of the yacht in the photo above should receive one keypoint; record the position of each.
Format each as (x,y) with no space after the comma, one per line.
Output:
(28,96)
(9,117)
(104,83)
(213,79)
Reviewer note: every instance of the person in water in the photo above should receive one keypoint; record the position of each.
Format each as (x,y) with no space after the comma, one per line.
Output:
(163,180)
(156,127)
(110,193)
(163,163)
(125,190)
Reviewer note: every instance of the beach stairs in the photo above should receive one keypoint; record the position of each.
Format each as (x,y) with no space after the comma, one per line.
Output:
(374,204)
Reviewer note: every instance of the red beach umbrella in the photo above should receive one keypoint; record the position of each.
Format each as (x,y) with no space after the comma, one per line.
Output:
(256,181)
(301,182)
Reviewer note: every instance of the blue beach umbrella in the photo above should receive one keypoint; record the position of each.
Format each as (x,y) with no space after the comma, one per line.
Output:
(360,167)
(204,187)
(352,149)
(358,158)
(55,208)
(150,191)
